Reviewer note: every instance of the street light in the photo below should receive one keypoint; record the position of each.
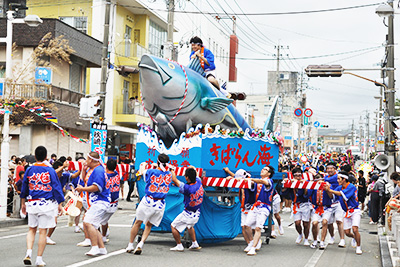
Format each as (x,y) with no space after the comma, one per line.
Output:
(33,21)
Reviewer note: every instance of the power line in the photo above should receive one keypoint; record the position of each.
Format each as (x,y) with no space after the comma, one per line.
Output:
(258,14)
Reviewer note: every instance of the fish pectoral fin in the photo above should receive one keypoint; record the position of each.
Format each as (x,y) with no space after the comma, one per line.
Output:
(215,104)
(164,127)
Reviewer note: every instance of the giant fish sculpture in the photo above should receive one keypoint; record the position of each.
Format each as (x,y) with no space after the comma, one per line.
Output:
(177,98)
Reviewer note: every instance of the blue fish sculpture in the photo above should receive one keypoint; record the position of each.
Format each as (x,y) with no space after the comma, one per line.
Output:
(163,87)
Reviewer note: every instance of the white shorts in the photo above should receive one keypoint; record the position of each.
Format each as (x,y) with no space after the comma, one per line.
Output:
(150,210)
(43,220)
(324,216)
(352,219)
(303,213)
(210,72)
(276,204)
(243,217)
(96,213)
(337,213)
(256,217)
(186,219)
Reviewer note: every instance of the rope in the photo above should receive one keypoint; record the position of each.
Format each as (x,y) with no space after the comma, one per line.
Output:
(183,100)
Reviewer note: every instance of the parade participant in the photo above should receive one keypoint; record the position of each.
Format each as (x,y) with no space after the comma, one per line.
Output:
(247,199)
(347,195)
(285,197)
(151,208)
(98,194)
(42,191)
(276,208)
(193,198)
(206,58)
(113,182)
(337,211)
(261,208)
(301,208)
(362,189)
(322,213)
(64,177)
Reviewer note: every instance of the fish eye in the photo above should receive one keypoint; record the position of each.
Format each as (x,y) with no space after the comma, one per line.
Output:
(171,66)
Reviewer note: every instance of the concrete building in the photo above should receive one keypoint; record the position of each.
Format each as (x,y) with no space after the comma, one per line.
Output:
(333,140)
(67,86)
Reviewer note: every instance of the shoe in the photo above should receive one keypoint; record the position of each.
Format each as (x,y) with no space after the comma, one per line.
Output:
(314,244)
(318,239)
(273,234)
(137,251)
(322,245)
(342,243)
(194,247)
(252,252)
(93,252)
(299,239)
(103,251)
(28,260)
(130,248)
(353,243)
(306,243)
(105,240)
(258,247)
(280,230)
(49,241)
(249,246)
(178,248)
(331,241)
(373,222)
(128,200)
(84,243)
(40,264)
(77,229)
(358,251)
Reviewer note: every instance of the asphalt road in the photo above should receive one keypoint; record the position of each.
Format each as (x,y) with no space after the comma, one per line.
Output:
(280,252)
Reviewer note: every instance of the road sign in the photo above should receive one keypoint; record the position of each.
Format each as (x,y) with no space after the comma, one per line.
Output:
(382,129)
(1,88)
(381,143)
(305,121)
(43,75)
(308,112)
(298,112)
(317,124)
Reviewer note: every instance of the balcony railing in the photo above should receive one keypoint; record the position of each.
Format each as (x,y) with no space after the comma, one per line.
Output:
(131,107)
(44,92)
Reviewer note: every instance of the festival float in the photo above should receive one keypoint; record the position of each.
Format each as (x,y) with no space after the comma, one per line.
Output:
(196,125)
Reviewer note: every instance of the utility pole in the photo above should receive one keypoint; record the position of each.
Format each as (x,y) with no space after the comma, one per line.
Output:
(352,133)
(170,51)
(367,130)
(390,144)
(104,60)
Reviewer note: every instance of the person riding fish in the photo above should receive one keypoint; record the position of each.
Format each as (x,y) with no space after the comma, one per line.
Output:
(206,58)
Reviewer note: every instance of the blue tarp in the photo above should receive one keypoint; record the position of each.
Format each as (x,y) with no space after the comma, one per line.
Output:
(217,223)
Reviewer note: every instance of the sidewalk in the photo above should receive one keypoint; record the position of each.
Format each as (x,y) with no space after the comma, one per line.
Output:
(8,222)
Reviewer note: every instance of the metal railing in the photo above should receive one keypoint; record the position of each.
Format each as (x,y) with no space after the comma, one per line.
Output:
(44,92)
(131,107)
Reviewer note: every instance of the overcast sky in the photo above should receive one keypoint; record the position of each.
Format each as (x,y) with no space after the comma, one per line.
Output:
(335,101)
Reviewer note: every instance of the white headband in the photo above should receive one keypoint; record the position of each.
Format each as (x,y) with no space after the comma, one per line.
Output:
(99,159)
(162,165)
(343,176)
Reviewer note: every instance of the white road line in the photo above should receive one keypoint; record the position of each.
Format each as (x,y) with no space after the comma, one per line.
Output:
(98,258)
(121,225)
(22,234)
(314,258)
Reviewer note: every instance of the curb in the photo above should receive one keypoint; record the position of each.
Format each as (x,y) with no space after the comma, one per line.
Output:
(12,222)
(386,259)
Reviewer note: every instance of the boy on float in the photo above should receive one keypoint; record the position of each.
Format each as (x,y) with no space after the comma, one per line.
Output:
(193,198)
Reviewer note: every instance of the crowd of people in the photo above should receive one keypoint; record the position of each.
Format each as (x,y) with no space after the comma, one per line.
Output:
(44,184)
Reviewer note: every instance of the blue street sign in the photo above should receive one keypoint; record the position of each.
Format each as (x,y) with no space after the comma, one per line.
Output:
(288,138)
(298,112)
(43,75)
(305,121)
(1,88)
(317,124)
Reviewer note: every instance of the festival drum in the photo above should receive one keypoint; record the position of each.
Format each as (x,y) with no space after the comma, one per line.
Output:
(394,204)
(73,205)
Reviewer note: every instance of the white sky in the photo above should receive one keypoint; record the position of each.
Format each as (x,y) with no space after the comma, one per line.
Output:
(335,101)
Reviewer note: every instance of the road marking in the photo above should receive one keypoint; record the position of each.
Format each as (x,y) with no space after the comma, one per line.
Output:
(314,258)
(98,258)
(22,234)
(121,225)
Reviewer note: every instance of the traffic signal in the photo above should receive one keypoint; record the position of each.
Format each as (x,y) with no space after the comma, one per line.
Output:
(90,107)
(324,126)
(238,96)
(324,70)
